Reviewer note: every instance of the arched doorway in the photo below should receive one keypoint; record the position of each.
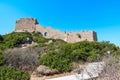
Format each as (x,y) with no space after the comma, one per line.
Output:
(46,34)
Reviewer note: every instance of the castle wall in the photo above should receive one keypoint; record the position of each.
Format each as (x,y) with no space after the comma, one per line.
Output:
(31,24)
(49,32)
(26,25)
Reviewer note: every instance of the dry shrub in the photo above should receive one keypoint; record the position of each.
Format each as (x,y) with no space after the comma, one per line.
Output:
(25,59)
(111,70)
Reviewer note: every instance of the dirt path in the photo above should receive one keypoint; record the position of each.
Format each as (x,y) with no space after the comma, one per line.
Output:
(33,77)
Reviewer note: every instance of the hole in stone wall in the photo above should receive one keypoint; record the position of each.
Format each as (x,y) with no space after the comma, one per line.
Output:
(79,36)
(46,34)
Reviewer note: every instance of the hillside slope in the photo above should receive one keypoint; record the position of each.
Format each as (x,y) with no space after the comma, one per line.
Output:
(29,51)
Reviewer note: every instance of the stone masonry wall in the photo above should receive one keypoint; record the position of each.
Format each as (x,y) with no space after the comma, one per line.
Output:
(31,25)
(26,24)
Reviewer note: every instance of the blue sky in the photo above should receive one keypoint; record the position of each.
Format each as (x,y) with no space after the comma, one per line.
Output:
(102,16)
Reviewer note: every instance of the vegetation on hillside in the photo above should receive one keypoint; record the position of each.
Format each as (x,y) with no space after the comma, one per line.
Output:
(69,53)
(1,58)
(53,53)
(10,73)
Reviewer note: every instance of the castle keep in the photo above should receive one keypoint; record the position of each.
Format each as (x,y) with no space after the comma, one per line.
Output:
(31,25)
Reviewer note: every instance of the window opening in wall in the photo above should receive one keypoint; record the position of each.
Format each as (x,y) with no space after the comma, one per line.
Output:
(79,36)
(46,34)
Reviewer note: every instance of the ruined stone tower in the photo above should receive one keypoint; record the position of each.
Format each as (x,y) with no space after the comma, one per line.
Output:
(26,24)
(31,25)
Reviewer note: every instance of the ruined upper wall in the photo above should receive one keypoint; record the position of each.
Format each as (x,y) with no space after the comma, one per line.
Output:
(31,25)
(26,24)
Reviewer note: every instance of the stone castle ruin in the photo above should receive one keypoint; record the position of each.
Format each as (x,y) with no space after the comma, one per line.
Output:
(31,25)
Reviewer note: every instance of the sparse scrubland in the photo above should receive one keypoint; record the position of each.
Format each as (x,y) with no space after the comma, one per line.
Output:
(53,55)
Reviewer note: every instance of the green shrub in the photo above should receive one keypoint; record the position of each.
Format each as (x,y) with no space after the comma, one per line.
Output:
(1,58)
(42,40)
(1,38)
(10,73)
(56,62)
(15,39)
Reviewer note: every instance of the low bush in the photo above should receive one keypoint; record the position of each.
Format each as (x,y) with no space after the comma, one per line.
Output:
(15,39)
(56,62)
(1,38)
(10,73)
(1,58)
